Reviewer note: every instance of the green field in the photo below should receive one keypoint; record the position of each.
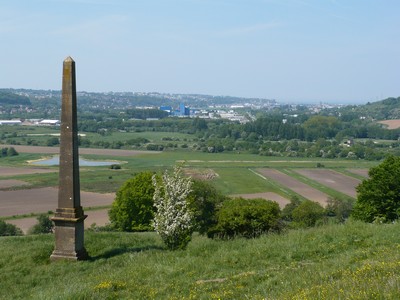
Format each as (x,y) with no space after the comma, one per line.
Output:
(351,261)
(234,170)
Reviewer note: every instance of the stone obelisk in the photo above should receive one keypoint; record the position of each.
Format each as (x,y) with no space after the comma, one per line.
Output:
(69,217)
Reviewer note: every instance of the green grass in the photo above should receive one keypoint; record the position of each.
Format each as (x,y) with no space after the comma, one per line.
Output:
(351,261)
(234,170)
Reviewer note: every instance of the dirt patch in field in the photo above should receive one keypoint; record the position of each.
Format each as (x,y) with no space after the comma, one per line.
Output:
(4,184)
(202,174)
(56,150)
(100,217)
(391,124)
(337,181)
(361,172)
(295,185)
(10,171)
(41,200)
(268,196)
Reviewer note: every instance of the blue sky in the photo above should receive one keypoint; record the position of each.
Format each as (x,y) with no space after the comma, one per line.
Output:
(288,50)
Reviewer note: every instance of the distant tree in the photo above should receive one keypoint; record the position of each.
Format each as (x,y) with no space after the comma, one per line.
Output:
(340,209)
(132,209)
(199,124)
(44,225)
(307,213)
(53,141)
(288,209)
(12,152)
(379,196)
(321,127)
(205,200)
(7,229)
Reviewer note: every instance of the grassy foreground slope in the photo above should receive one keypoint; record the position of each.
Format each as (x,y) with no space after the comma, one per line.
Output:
(352,261)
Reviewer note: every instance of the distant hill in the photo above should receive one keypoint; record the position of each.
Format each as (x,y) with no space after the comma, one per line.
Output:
(387,109)
(9,98)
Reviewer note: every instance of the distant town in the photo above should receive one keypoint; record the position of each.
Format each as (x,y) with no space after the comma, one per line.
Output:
(45,104)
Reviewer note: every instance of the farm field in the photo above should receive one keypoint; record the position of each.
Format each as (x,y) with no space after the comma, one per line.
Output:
(332,179)
(391,124)
(11,171)
(268,196)
(22,202)
(98,217)
(361,172)
(93,151)
(298,187)
(246,175)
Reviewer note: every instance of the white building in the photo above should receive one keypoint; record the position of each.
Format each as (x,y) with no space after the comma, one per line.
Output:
(10,122)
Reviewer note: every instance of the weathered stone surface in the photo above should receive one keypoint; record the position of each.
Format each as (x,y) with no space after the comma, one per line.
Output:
(69,217)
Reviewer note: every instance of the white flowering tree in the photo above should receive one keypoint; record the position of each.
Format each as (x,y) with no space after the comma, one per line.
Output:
(173,220)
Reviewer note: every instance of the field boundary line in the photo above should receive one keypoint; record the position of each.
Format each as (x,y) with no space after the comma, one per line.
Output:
(272,182)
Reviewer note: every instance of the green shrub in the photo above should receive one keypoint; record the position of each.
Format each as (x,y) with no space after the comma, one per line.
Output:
(115,167)
(132,209)
(205,200)
(339,209)
(378,198)
(307,214)
(44,225)
(288,209)
(7,229)
(246,217)
(12,152)
(8,152)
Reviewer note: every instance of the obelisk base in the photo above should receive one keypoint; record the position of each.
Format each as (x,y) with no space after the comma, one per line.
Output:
(69,231)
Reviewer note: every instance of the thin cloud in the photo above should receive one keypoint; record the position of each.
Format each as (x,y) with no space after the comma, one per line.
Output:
(246,30)
(95,29)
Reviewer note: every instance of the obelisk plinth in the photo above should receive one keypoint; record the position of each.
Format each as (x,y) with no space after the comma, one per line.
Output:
(69,217)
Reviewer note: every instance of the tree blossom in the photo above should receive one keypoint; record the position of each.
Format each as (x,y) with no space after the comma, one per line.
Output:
(173,220)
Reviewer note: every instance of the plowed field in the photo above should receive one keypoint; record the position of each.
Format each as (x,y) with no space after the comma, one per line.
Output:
(295,185)
(337,181)
(40,200)
(361,172)
(10,171)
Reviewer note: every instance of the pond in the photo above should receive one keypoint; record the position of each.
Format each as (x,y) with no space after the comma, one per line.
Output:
(55,161)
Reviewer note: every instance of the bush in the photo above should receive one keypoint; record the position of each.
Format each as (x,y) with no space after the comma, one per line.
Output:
(205,200)
(339,209)
(132,209)
(7,229)
(288,209)
(173,219)
(8,152)
(44,225)
(379,196)
(246,217)
(307,214)
(115,167)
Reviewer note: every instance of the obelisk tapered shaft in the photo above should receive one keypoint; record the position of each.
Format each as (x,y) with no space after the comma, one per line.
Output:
(69,217)
(69,189)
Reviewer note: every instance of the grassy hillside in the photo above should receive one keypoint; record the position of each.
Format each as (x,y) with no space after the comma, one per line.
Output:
(380,110)
(352,261)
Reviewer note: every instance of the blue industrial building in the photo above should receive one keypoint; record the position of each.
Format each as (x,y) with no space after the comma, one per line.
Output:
(183,111)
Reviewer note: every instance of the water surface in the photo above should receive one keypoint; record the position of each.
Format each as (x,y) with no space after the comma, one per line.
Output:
(55,161)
